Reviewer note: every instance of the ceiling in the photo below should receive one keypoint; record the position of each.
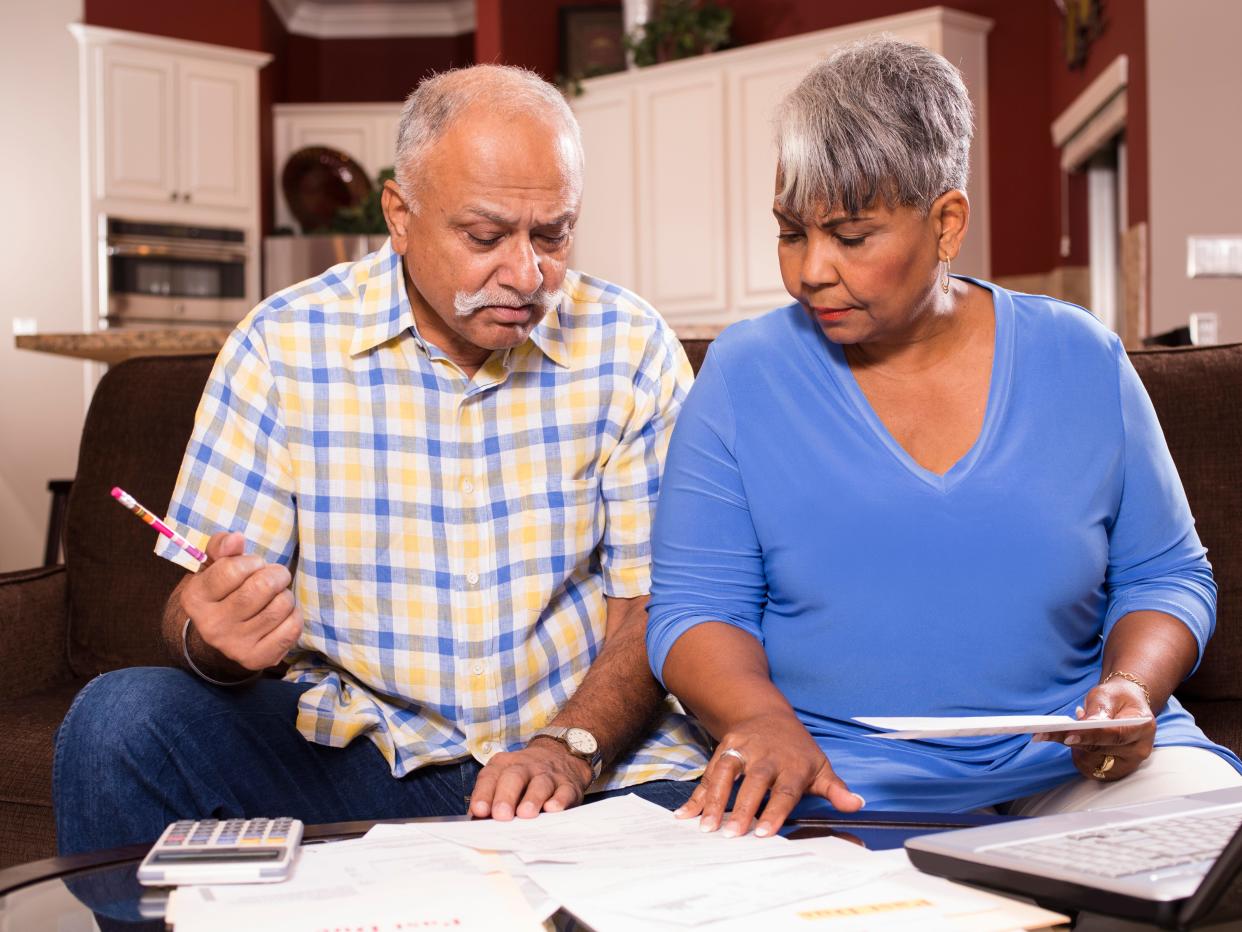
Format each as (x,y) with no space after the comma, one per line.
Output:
(355,19)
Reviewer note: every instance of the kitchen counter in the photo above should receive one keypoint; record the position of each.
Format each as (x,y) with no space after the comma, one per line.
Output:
(114,346)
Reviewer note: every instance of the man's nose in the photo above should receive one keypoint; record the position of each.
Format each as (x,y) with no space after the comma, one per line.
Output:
(520,269)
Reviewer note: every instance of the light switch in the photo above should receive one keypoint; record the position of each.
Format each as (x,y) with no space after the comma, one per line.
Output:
(1214,256)
(1203,328)
(24,326)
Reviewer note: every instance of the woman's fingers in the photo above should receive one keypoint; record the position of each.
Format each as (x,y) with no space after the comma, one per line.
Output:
(718,781)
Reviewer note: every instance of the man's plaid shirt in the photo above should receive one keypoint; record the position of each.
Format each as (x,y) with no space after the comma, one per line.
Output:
(454,539)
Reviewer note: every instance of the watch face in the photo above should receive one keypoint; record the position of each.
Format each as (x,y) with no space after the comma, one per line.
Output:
(581,741)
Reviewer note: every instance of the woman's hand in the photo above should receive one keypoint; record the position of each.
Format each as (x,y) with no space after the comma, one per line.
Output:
(1127,746)
(775,756)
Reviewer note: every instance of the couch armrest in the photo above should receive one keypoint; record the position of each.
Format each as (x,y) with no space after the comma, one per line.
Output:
(34,631)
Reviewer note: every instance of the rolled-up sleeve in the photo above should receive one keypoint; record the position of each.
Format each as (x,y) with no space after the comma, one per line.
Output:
(1156,562)
(237,474)
(707,561)
(630,480)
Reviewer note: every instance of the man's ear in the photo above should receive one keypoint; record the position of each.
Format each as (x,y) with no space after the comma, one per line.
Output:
(951,213)
(396,215)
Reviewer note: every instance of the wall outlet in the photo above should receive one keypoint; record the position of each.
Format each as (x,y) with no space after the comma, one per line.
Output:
(1214,256)
(1203,328)
(24,326)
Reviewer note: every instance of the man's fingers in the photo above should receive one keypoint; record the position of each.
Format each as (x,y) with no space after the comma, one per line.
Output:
(223,577)
(567,796)
(257,590)
(538,792)
(225,544)
(272,647)
(509,789)
(484,791)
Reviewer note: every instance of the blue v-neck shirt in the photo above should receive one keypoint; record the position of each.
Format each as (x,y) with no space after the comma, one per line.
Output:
(880,588)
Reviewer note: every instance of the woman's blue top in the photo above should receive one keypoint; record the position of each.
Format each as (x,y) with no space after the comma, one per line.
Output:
(879,588)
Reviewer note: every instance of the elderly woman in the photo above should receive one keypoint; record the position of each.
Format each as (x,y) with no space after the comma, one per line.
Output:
(911,493)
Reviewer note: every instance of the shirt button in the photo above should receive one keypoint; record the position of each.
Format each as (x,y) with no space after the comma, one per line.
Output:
(472,578)
(487,747)
(467,486)
(478,668)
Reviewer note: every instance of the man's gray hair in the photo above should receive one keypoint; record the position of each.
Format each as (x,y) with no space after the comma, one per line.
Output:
(878,121)
(439,100)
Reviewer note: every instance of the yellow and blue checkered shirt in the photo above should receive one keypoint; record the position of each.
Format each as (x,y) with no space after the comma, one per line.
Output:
(454,538)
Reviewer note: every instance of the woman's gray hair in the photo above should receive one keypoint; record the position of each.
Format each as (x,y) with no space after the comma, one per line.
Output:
(439,100)
(878,121)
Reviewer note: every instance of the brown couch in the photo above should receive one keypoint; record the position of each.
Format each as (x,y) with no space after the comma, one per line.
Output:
(59,626)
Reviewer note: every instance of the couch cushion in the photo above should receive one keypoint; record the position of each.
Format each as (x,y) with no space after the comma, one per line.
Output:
(1197,393)
(26,778)
(135,436)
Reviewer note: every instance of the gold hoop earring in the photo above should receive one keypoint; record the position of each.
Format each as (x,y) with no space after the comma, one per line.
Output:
(944,282)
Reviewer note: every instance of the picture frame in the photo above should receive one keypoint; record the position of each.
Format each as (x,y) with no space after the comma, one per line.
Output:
(592,41)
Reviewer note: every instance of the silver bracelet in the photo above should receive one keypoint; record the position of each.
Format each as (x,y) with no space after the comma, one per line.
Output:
(185,652)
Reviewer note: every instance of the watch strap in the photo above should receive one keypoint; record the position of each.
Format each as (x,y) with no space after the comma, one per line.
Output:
(560,733)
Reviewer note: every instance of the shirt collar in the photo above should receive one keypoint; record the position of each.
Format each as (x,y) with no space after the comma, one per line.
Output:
(385,310)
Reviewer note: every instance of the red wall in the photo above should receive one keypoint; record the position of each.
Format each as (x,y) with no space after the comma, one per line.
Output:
(523,32)
(1025,192)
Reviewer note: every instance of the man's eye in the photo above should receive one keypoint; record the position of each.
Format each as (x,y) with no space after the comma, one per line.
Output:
(554,239)
(484,240)
(790,236)
(851,241)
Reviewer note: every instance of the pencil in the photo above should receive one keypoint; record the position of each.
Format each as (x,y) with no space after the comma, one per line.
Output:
(128,501)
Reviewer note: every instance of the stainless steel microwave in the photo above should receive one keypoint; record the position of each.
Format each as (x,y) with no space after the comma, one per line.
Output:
(166,274)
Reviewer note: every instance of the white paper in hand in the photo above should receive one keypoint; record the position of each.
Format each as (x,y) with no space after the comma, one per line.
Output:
(969,726)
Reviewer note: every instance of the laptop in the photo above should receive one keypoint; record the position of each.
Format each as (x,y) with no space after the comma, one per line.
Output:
(1176,863)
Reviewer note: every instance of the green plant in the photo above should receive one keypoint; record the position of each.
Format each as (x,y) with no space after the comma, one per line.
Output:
(367,216)
(680,29)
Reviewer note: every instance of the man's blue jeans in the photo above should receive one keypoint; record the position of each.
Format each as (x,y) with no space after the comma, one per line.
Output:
(146,746)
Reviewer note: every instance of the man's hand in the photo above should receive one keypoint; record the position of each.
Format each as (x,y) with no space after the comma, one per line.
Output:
(241,606)
(542,777)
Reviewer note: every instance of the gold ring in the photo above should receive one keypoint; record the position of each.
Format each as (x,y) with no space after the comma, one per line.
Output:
(1101,772)
(734,752)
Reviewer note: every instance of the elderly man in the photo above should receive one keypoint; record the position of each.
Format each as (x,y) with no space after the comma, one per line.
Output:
(428,479)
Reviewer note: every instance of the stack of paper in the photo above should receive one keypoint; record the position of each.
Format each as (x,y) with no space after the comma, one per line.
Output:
(381,885)
(619,864)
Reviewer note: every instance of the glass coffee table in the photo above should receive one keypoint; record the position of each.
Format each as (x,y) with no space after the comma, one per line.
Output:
(101,889)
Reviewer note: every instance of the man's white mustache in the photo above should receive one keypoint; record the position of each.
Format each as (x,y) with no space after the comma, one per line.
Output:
(466,304)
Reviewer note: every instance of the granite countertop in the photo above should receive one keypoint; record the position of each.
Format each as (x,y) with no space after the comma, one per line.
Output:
(114,346)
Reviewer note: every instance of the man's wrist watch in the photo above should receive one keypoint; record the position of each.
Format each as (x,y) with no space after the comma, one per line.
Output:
(580,743)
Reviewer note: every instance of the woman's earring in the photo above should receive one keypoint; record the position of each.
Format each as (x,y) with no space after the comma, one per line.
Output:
(944,282)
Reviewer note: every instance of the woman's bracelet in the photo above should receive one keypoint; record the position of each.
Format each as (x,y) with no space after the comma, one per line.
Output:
(1133,679)
(185,652)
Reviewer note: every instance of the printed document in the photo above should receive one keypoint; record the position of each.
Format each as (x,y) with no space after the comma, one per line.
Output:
(966,726)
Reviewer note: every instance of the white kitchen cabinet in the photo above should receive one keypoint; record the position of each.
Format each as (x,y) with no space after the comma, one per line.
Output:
(367,133)
(170,134)
(680,167)
(216,134)
(136,124)
(170,125)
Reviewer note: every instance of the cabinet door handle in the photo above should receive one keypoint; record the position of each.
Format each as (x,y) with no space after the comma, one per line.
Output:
(186,197)
(172,195)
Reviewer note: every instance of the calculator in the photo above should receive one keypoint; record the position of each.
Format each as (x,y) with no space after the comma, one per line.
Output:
(222,851)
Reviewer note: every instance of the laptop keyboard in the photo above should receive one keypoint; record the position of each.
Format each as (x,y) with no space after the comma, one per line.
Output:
(1152,846)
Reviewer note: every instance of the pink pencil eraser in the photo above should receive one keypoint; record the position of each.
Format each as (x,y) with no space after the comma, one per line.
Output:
(116,491)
